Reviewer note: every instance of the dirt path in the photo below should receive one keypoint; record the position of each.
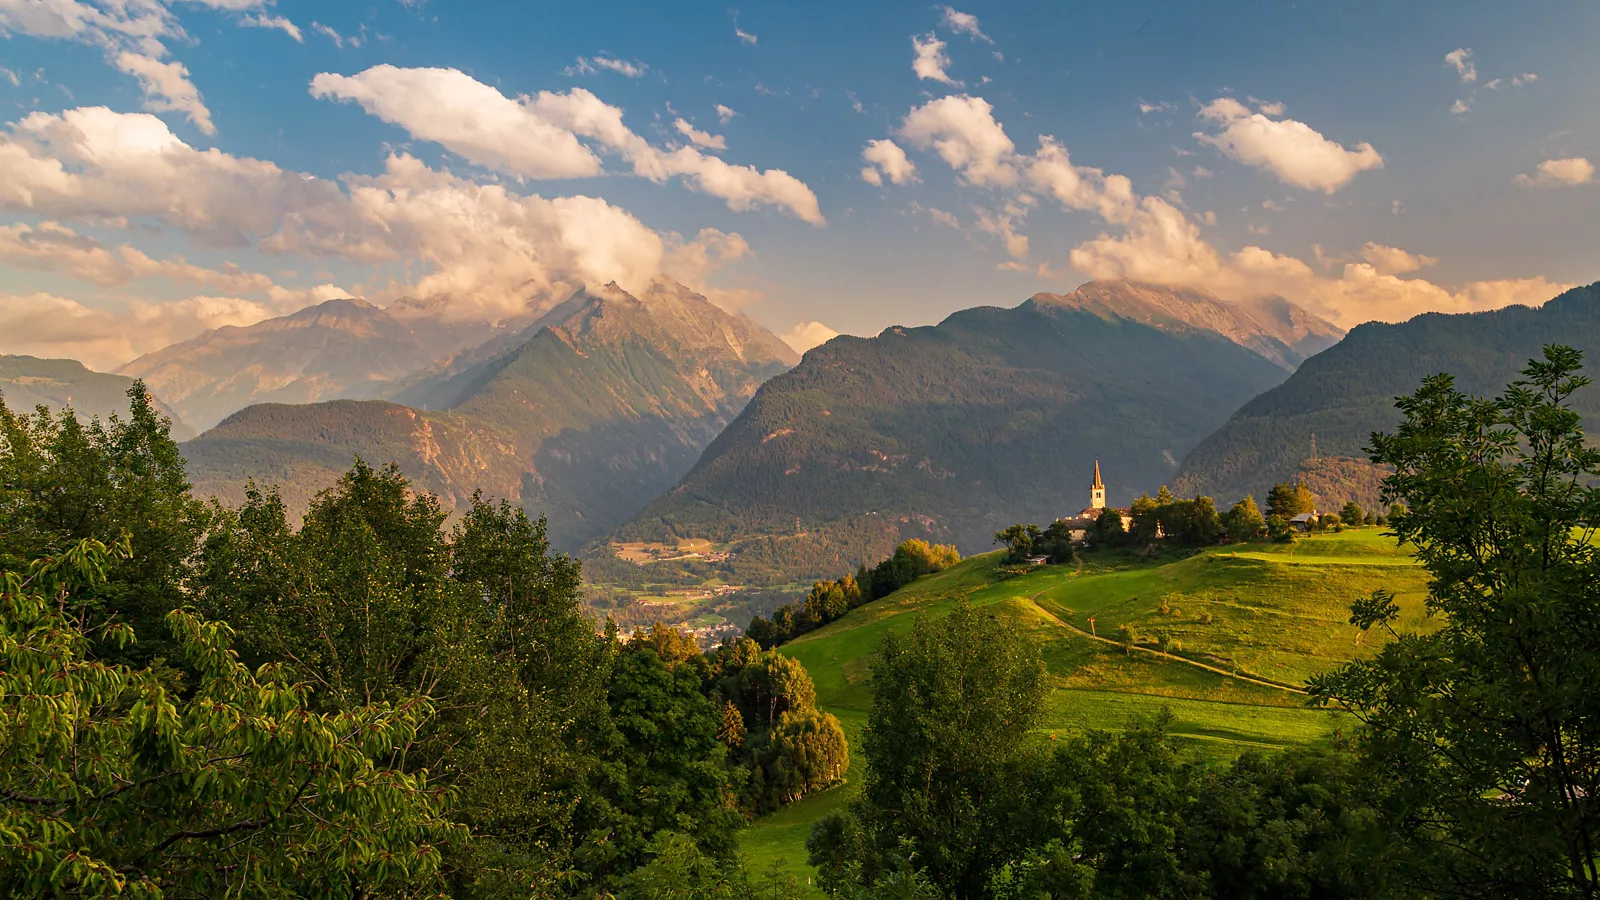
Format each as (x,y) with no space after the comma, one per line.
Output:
(1185,660)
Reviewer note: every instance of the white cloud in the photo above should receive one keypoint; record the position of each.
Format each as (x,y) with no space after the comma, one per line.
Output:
(167,88)
(134,35)
(885,159)
(964,23)
(1558,173)
(485,250)
(1460,59)
(472,119)
(930,60)
(700,138)
(963,131)
(745,36)
(338,39)
(1293,151)
(277,22)
(1005,224)
(621,67)
(725,114)
(1525,78)
(1460,107)
(538,136)
(805,335)
(1394,261)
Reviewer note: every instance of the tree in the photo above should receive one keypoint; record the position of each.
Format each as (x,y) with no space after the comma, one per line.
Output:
(1146,514)
(1108,528)
(808,752)
(63,481)
(1287,500)
(1279,531)
(1352,514)
(953,704)
(1127,637)
(114,784)
(1243,522)
(1019,541)
(1057,541)
(1494,718)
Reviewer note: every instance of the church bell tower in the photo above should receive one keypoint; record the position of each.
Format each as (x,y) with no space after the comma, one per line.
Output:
(1097,491)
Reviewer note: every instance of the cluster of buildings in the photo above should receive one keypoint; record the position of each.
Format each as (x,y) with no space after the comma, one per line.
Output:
(1082,524)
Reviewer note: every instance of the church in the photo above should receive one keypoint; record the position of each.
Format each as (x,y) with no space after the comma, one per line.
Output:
(1082,524)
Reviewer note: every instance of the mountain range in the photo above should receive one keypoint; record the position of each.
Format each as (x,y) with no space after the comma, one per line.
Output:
(27,382)
(582,416)
(993,416)
(1347,392)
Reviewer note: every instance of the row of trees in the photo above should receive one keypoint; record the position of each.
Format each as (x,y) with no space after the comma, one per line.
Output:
(196,701)
(828,600)
(1471,772)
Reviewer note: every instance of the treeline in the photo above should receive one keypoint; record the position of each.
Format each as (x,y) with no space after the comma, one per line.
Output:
(828,600)
(197,701)
(1469,771)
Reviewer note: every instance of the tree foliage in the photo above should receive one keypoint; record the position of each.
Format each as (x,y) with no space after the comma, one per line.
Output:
(114,784)
(1491,719)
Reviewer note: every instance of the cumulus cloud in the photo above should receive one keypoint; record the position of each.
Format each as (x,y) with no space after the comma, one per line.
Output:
(929,60)
(725,114)
(1460,59)
(538,136)
(1293,151)
(745,36)
(805,335)
(1150,238)
(279,23)
(885,159)
(700,138)
(964,23)
(1558,173)
(485,249)
(963,131)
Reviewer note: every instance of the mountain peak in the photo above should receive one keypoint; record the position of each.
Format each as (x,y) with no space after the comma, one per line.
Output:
(1273,327)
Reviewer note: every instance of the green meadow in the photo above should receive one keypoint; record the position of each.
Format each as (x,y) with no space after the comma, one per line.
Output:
(1225,636)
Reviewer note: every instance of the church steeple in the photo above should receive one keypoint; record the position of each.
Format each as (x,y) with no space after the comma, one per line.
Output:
(1097,491)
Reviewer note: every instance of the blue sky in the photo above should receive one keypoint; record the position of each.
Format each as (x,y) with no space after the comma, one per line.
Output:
(1365,159)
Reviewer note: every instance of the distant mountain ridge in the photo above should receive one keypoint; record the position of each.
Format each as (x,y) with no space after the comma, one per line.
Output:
(27,382)
(338,349)
(1347,392)
(955,430)
(583,416)
(1272,327)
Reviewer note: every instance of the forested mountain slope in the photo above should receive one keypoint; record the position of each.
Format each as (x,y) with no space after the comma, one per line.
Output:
(1347,392)
(600,408)
(952,431)
(27,382)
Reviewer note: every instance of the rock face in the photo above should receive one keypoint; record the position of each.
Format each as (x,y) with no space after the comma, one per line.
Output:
(583,416)
(1346,393)
(27,382)
(954,431)
(338,349)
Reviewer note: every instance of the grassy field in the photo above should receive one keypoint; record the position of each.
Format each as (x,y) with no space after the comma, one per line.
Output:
(1243,626)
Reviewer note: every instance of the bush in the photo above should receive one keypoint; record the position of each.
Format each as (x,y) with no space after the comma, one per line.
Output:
(1205,618)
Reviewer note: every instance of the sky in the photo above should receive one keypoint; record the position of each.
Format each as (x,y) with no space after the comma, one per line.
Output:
(168,166)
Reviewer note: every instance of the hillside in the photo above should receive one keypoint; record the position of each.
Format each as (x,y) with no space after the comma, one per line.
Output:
(954,431)
(27,382)
(338,349)
(596,409)
(1347,392)
(1277,614)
